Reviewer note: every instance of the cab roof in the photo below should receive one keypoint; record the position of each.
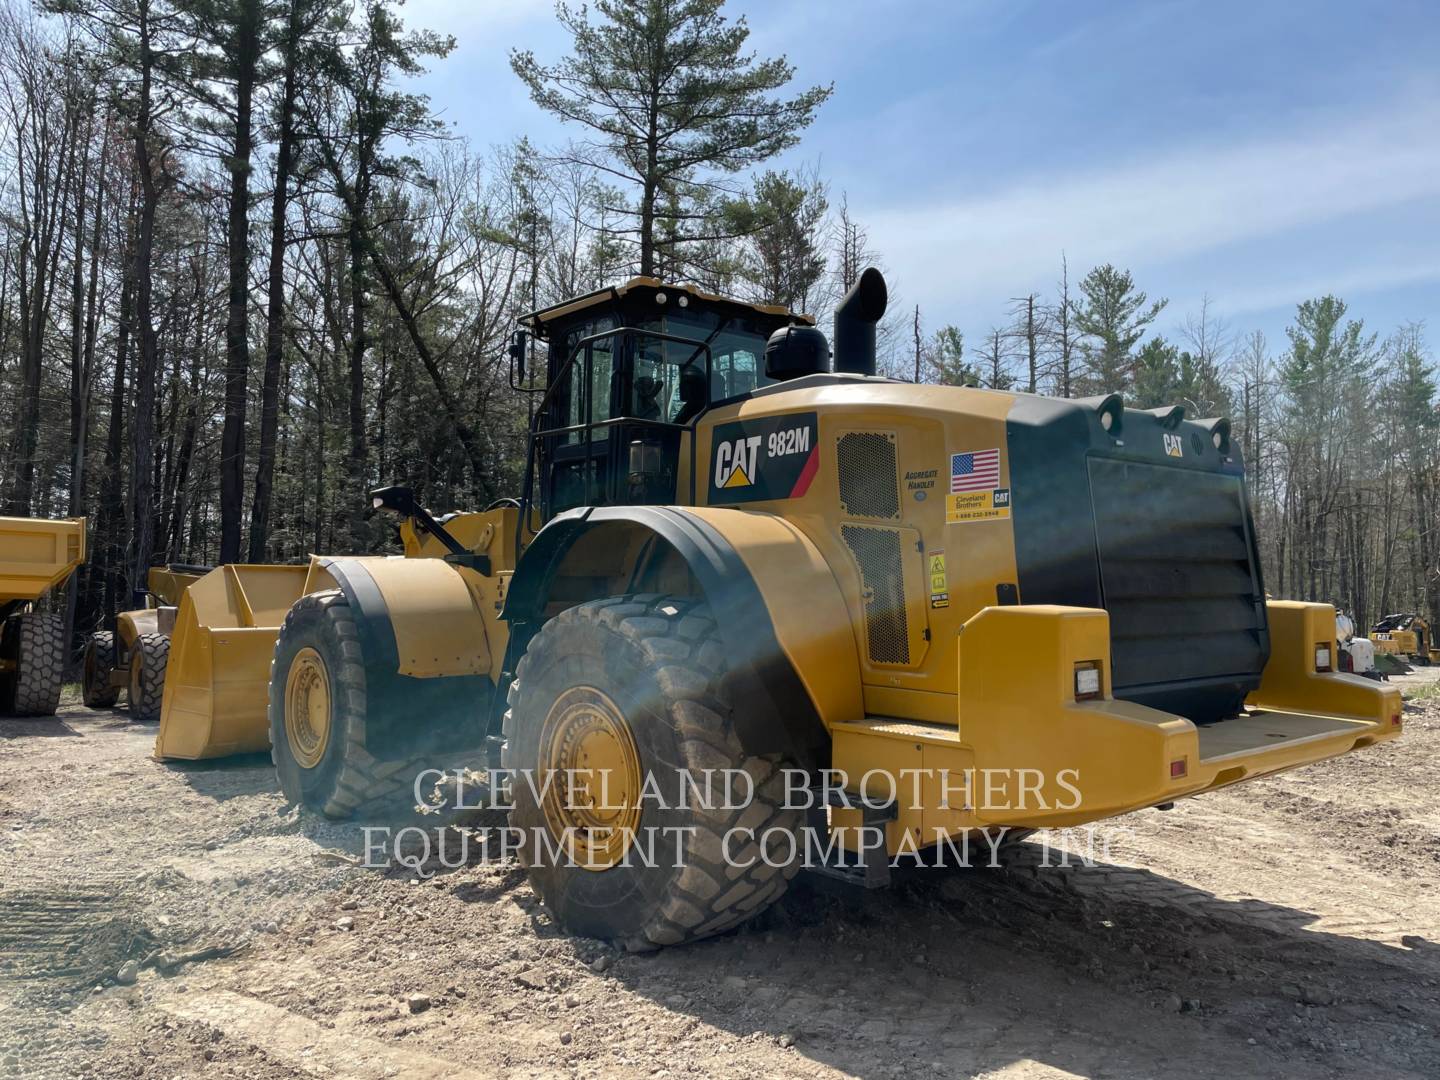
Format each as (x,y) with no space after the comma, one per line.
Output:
(646,288)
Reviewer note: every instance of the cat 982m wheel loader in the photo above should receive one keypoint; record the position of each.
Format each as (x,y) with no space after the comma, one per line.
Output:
(735,557)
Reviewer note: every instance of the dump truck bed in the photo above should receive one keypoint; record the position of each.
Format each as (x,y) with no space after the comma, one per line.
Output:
(37,555)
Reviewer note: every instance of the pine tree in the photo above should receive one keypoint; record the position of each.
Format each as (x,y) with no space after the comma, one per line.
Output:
(1114,316)
(671,99)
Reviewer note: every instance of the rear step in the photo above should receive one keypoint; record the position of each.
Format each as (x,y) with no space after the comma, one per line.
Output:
(1263,741)
(1257,730)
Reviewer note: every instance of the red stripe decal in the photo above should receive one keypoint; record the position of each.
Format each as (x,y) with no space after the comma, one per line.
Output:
(812,466)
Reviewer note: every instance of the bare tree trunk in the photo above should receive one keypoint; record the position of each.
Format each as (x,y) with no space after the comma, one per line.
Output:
(275,311)
(237,346)
(142,431)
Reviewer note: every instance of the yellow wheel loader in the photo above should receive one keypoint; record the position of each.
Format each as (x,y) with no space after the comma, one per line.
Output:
(36,557)
(133,657)
(1406,635)
(754,597)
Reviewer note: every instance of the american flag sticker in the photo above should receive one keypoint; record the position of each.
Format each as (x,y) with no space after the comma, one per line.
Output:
(975,491)
(974,470)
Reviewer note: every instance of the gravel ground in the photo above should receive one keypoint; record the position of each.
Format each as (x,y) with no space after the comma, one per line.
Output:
(1285,927)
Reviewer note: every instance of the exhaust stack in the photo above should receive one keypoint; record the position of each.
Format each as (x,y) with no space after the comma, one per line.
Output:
(855,319)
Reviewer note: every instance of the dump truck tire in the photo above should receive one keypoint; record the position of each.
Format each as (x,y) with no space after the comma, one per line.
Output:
(318,678)
(149,658)
(97,692)
(33,689)
(647,671)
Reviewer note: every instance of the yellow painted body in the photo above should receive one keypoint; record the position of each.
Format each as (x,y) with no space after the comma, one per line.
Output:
(1022,752)
(166,587)
(218,678)
(928,424)
(446,618)
(37,556)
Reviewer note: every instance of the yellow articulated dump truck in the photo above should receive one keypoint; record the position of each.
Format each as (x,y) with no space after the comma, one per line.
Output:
(133,657)
(36,557)
(865,606)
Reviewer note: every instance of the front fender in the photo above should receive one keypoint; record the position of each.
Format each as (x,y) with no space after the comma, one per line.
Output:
(426,649)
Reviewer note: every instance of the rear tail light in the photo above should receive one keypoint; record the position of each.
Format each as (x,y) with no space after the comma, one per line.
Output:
(1179,768)
(1088,683)
(1395,720)
(1322,657)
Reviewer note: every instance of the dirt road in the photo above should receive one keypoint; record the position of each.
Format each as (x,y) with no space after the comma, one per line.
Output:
(1288,927)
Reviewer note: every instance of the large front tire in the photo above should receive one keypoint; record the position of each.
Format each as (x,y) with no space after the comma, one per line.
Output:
(318,712)
(637,683)
(36,645)
(149,660)
(98,692)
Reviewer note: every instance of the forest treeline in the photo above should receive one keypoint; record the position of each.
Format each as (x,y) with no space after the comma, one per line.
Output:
(246,273)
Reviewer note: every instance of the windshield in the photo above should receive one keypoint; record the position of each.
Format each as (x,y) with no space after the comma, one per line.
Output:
(737,352)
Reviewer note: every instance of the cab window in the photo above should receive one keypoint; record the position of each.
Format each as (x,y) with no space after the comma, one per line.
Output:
(737,351)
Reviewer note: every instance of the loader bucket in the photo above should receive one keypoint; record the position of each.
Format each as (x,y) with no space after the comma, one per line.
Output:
(218,680)
(37,556)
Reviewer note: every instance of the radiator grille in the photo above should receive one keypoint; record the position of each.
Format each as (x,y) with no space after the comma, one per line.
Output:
(877,553)
(869,481)
(1175,570)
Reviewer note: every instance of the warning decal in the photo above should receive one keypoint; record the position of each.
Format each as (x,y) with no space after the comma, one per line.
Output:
(939,584)
(773,457)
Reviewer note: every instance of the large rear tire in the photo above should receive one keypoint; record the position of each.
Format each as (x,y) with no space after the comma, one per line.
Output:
(149,657)
(318,712)
(631,691)
(97,691)
(36,644)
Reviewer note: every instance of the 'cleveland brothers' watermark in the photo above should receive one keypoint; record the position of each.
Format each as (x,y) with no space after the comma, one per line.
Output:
(844,840)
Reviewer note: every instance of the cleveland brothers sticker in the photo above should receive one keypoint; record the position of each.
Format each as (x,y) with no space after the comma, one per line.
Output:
(772,457)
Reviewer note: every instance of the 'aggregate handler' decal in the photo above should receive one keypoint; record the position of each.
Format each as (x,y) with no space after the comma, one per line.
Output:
(773,457)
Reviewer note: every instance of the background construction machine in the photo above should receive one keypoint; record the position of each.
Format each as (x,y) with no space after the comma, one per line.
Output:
(732,558)
(1407,636)
(36,557)
(133,657)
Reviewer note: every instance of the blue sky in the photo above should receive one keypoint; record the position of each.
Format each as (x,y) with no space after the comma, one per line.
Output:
(1258,152)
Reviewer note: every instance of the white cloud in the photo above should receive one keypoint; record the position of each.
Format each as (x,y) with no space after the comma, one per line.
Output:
(1172,205)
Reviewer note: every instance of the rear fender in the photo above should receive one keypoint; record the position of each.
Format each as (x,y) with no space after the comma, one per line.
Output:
(790,648)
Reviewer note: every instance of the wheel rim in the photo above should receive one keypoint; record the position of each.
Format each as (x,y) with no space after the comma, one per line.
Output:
(307,708)
(137,664)
(590,778)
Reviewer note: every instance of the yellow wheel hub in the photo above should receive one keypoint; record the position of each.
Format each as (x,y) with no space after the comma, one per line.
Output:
(590,778)
(307,708)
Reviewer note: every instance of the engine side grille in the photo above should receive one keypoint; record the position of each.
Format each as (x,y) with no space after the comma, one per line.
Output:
(869,479)
(877,553)
(1176,574)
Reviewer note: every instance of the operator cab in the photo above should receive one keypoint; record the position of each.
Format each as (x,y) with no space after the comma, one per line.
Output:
(629,370)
